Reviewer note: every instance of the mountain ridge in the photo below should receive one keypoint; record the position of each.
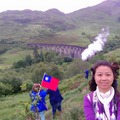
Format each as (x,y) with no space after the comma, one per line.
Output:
(27,25)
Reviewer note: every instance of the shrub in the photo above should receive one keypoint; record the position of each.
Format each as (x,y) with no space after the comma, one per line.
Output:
(5,89)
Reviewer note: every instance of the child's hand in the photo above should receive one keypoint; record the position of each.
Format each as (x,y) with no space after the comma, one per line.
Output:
(35,102)
(39,97)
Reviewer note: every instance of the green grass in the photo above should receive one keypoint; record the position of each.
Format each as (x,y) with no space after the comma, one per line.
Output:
(113,55)
(12,56)
(11,105)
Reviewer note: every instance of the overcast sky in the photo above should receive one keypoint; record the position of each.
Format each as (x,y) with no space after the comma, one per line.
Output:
(65,6)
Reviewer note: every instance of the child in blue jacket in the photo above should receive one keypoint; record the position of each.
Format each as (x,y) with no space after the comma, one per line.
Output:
(38,105)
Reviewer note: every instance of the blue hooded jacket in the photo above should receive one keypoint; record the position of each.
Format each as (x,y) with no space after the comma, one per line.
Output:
(38,101)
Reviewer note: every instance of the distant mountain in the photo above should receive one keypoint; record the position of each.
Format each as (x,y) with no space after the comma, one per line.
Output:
(54,25)
(50,18)
(104,13)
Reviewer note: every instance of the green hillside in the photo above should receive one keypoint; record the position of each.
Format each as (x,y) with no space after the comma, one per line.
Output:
(72,89)
(20,68)
(17,28)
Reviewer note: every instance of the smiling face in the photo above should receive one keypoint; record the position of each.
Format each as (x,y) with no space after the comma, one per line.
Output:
(104,78)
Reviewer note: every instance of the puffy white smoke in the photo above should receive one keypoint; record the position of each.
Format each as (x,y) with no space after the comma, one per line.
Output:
(97,44)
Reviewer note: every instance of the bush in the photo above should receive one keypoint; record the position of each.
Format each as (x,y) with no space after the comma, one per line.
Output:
(5,89)
(12,79)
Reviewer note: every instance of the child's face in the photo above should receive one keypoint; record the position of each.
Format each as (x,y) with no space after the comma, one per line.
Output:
(37,89)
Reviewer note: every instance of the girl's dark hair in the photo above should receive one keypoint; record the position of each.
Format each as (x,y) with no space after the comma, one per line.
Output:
(114,68)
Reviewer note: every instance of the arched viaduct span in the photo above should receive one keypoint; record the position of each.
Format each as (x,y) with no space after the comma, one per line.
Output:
(71,51)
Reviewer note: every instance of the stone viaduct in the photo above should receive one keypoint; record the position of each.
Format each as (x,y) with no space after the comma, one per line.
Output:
(71,51)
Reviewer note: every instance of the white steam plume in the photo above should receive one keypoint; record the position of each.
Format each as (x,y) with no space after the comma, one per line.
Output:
(97,45)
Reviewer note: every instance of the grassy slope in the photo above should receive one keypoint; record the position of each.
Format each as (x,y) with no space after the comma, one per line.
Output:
(72,90)
(115,55)
(13,55)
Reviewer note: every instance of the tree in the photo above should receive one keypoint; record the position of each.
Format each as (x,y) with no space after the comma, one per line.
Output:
(35,52)
(19,64)
(28,59)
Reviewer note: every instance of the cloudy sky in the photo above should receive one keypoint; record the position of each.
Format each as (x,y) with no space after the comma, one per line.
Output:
(65,6)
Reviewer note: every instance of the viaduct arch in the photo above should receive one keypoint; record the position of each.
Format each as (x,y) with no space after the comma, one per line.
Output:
(71,51)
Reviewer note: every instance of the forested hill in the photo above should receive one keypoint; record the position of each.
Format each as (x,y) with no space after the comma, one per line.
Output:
(54,26)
